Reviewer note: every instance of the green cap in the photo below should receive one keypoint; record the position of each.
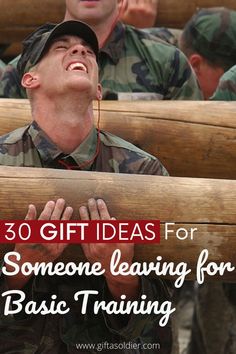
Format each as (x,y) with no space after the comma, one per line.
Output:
(37,43)
(212,33)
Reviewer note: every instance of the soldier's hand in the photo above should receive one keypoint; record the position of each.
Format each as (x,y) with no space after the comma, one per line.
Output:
(52,211)
(43,252)
(139,13)
(102,252)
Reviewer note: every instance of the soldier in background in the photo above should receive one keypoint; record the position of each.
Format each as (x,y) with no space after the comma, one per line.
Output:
(209,42)
(133,65)
(226,90)
(214,320)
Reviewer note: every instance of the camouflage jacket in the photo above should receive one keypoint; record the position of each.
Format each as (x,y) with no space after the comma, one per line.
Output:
(31,147)
(133,65)
(214,320)
(77,333)
(57,334)
(226,90)
(2,67)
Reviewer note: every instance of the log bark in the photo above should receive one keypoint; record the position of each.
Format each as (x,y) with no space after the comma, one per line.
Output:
(175,14)
(19,18)
(191,138)
(31,12)
(209,205)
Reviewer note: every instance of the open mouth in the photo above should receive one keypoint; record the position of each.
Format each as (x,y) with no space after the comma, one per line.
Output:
(77,67)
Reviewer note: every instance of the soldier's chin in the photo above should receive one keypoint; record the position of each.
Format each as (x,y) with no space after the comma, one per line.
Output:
(81,85)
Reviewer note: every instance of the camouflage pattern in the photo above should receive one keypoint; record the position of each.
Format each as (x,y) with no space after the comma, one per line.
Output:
(133,65)
(214,321)
(10,83)
(169,35)
(31,147)
(212,33)
(2,66)
(226,90)
(61,334)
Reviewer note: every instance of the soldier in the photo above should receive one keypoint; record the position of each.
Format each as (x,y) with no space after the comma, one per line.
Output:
(214,320)
(133,64)
(226,90)
(209,42)
(60,73)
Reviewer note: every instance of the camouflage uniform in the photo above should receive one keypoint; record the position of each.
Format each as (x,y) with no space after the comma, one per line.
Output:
(226,90)
(30,146)
(59,334)
(214,321)
(2,66)
(133,65)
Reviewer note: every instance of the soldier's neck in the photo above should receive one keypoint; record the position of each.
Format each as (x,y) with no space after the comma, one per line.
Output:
(66,126)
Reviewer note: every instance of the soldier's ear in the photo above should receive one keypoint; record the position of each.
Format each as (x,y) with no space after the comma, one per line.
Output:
(99,92)
(30,80)
(196,62)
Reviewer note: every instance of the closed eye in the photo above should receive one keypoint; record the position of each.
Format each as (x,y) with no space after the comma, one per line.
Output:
(61,47)
(59,44)
(90,52)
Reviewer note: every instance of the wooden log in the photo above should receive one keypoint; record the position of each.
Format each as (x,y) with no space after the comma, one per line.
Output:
(30,12)
(191,138)
(175,14)
(21,17)
(207,204)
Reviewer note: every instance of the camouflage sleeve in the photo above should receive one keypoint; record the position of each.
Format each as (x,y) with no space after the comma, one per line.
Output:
(10,85)
(145,327)
(153,167)
(226,90)
(4,320)
(168,35)
(214,321)
(2,66)
(145,165)
(183,84)
(21,333)
(172,71)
